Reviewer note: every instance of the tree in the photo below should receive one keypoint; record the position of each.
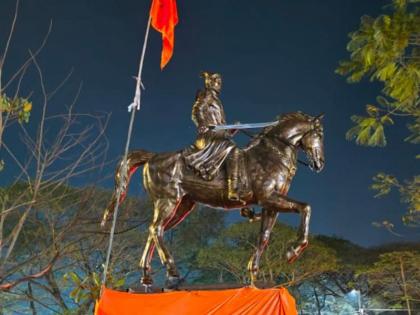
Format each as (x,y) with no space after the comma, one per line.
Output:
(396,278)
(81,275)
(230,252)
(198,230)
(387,49)
(72,284)
(41,162)
(13,106)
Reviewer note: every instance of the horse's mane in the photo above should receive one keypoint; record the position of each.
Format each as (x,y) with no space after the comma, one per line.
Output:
(295,115)
(284,118)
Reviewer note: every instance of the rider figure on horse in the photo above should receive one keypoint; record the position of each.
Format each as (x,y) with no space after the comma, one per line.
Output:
(213,147)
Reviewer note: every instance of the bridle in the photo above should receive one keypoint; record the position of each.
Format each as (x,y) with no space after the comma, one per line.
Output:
(251,135)
(287,143)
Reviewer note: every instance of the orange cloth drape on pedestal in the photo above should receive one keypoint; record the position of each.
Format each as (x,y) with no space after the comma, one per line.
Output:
(244,301)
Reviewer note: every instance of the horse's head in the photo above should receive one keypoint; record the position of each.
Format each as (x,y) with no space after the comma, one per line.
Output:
(302,131)
(312,142)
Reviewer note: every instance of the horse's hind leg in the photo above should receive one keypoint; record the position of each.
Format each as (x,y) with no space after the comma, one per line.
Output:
(183,209)
(268,219)
(165,211)
(145,262)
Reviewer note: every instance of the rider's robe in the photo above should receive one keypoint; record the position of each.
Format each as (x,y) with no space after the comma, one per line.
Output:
(211,147)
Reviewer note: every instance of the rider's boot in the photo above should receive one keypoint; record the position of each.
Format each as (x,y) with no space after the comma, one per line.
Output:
(250,214)
(233,175)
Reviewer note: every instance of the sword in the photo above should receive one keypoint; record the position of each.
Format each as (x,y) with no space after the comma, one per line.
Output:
(243,126)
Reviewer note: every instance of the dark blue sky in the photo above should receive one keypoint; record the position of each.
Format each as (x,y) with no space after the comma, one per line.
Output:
(275,56)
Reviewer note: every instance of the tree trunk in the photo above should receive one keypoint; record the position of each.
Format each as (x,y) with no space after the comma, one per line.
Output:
(31,301)
(318,305)
(55,290)
(1,109)
(220,280)
(406,297)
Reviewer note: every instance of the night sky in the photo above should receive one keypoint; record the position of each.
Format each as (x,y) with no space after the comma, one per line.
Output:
(274,56)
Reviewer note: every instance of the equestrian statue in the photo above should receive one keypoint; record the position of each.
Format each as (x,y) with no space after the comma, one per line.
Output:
(215,172)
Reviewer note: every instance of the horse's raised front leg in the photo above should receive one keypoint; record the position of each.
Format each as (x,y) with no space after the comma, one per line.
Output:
(280,203)
(268,219)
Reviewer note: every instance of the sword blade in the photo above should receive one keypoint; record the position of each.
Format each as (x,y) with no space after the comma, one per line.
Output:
(244,126)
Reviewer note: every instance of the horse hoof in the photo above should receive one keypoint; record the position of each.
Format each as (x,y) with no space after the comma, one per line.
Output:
(250,214)
(293,253)
(253,285)
(173,282)
(104,222)
(146,281)
(147,288)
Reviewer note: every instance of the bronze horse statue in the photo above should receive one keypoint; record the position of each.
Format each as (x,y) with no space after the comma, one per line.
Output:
(268,167)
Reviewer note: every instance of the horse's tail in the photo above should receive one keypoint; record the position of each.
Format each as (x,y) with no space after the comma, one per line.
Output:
(135,159)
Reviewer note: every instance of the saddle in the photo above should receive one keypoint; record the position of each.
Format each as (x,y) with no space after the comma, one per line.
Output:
(208,160)
(206,156)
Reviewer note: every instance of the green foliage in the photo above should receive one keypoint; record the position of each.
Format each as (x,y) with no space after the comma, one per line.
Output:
(231,251)
(387,49)
(66,219)
(415,131)
(18,106)
(87,288)
(383,183)
(396,277)
(409,192)
(368,130)
(205,247)
(201,226)
(348,253)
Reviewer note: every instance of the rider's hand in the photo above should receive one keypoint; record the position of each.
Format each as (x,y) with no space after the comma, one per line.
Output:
(233,132)
(203,129)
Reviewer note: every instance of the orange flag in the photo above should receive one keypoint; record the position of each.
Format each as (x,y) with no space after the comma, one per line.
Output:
(164,16)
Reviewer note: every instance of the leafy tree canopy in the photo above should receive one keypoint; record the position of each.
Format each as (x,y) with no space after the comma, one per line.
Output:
(387,49)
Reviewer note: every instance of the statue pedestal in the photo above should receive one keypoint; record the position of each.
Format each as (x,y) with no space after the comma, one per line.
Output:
(250,301)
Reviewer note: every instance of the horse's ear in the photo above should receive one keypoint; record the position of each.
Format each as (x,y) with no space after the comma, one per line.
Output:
(320,116)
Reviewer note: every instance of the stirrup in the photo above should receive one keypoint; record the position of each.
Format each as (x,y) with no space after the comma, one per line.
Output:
(233,195)
(233,191)
(250,214)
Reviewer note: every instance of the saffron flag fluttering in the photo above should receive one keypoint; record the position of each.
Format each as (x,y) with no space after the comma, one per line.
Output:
(164,17)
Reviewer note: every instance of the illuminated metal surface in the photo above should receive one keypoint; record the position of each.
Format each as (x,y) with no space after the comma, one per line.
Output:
(263,170)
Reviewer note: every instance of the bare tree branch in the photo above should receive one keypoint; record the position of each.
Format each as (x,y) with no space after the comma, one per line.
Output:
(10,285)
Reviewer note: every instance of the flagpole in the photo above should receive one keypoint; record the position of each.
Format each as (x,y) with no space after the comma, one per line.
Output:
(133,107)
